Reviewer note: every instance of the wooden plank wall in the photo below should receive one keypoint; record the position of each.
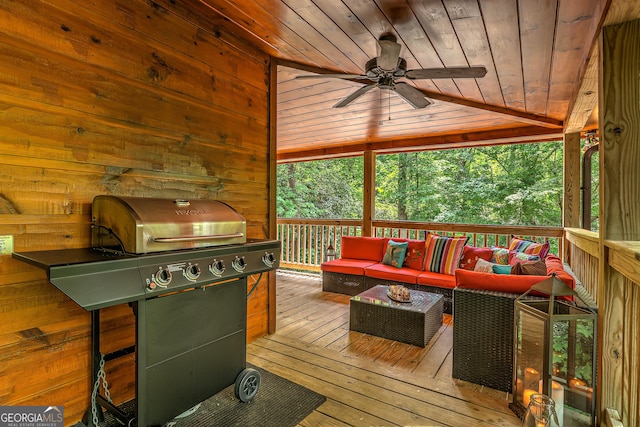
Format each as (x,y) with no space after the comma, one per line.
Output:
(132,97)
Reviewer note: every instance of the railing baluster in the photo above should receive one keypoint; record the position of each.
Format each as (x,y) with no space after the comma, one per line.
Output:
(305,245)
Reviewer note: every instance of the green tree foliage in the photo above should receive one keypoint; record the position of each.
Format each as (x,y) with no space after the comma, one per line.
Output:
(595,192)
(517,184)
(583,352)
(508,184)
(321,189)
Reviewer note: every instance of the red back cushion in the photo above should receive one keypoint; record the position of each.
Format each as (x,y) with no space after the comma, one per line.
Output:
(369,248)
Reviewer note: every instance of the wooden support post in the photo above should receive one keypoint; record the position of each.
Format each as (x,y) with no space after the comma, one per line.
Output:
(571,185)
(369,198)
(272,171)
(619,122)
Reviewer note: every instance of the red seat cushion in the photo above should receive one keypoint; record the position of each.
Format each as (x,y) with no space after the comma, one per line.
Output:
(346,266)
(387,272)
(367,248)
(440,280)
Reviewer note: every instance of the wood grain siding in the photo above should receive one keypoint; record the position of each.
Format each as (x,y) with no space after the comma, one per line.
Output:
(618,297)
(136,98)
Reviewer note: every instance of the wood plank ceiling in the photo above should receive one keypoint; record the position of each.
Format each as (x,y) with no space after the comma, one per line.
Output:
(536,53)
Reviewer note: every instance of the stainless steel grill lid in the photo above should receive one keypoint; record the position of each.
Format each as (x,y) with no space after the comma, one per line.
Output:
(143,224)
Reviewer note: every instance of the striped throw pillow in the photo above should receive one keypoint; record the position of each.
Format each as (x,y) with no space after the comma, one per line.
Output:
(529,247)
(442,254)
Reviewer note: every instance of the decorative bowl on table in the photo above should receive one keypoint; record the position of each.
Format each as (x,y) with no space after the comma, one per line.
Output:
(399,293)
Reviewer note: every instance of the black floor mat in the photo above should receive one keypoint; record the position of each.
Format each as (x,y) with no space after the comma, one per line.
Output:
(278,403)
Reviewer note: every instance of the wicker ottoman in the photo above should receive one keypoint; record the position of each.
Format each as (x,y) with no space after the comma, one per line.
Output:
(415,322)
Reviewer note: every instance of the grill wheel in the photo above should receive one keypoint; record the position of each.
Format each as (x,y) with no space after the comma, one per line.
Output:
(247,384)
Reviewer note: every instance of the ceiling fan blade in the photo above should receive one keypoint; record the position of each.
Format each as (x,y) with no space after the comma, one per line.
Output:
(412,95)
(388,52)
(349,99)
(333,76)
(446,73)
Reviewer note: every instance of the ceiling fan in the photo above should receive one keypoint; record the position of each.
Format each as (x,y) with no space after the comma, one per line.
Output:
(388,67)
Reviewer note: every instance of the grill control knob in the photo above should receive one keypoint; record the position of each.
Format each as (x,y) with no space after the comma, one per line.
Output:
(192,272)
(269,259)
(239,264)
(217,267)
(163,277)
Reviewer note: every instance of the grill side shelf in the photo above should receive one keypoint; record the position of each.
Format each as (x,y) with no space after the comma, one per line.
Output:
(92,289)
(92,279)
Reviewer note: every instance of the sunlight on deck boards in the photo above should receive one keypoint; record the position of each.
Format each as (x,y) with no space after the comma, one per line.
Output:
(368,380)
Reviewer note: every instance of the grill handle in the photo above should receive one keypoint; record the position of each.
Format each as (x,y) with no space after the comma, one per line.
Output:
(193,238)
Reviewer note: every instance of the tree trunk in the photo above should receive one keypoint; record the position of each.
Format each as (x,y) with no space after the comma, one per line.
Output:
(402,186)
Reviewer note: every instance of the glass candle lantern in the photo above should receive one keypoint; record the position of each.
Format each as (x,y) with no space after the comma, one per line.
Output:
(540,412)
(331,253)
(555,352)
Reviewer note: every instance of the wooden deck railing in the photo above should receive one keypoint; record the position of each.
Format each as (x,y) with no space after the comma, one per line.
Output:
(305,241)
(583,255)
(615,286)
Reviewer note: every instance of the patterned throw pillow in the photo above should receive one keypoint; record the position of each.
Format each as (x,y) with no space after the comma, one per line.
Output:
(414,258)
(394,255)
(483,266)
(443,253)
(471,255)
(529,247)
(500,256)
(516,257)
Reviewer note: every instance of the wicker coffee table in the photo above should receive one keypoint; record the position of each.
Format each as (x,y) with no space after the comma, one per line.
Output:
(415,322)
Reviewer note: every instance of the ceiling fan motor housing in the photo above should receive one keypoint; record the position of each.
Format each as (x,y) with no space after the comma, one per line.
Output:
(374,72)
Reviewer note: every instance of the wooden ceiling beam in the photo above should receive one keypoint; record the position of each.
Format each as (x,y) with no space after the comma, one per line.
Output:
(520,116)
(585,100)
(462,140)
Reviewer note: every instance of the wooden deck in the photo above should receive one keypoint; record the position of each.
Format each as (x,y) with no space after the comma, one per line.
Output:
(368,380)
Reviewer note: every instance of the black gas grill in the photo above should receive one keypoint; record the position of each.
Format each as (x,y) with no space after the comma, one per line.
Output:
(182,266)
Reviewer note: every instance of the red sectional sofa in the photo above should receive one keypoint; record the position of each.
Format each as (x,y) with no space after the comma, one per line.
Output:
(360,267)
(482,304)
